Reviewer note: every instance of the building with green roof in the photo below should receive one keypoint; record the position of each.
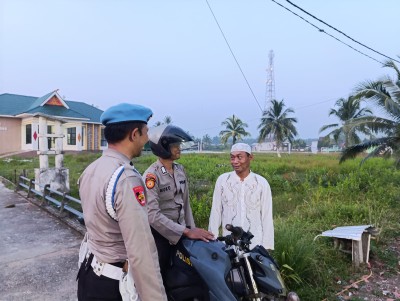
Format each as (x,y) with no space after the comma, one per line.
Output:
(19,123)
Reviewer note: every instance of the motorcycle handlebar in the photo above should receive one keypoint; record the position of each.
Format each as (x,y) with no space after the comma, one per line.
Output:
(237,232)
(238,237)
(229,240)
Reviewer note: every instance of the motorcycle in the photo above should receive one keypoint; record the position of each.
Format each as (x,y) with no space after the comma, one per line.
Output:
(224,270)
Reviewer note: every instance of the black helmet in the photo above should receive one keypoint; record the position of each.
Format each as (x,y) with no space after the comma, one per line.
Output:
(161,137)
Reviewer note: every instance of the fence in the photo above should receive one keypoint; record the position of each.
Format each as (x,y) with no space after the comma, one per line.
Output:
(59,199)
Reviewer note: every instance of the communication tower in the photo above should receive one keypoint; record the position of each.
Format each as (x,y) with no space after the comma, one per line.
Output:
(270,89)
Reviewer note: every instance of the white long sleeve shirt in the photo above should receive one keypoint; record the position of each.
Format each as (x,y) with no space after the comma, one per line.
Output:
(247,204)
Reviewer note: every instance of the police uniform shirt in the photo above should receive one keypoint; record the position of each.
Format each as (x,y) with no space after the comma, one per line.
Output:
(128,238)
(168,200)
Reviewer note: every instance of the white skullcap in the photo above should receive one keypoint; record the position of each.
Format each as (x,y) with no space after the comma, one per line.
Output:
(241,147)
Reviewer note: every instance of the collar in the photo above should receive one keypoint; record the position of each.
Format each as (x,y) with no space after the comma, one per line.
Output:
(162,167)
(117,155)
(237,178)
(174,164)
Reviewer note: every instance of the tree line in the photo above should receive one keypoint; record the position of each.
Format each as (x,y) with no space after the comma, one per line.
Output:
(381,132)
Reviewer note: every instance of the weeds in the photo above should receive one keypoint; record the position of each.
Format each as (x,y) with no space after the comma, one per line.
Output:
(311,194)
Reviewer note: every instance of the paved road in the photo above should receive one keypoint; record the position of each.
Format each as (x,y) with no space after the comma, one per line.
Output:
(38,253)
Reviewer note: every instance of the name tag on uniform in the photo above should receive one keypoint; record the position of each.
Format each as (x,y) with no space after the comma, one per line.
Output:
(164,189)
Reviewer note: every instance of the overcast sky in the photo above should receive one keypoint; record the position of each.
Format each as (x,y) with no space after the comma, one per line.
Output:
(171,56)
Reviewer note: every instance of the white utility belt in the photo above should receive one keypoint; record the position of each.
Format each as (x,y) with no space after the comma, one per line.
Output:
(106,269)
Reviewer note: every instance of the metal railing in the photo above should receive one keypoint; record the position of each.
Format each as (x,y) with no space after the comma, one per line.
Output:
(59,199)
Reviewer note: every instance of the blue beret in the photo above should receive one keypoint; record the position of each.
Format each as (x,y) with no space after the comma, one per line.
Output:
(125,112)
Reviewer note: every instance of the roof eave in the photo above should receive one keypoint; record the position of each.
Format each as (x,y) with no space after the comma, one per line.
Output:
(51,117)
(9,116)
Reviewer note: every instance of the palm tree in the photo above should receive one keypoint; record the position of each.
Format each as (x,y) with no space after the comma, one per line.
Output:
(206,140)
(299,143)
(167,119)
(235,128)
(276,122)
(348,109)
(385,94)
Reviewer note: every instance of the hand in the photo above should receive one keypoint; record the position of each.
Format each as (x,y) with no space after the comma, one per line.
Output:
(198,233)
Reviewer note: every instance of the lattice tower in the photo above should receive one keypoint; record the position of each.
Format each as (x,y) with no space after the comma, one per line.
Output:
(270,84)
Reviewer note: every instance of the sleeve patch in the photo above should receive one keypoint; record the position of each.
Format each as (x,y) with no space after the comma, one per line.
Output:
(138,191)
(150,180)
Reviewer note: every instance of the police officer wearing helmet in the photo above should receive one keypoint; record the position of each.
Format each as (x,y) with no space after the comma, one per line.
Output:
(114,208)
(169,211)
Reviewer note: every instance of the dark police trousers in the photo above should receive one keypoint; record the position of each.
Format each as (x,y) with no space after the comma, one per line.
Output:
(164,249)
(92,287)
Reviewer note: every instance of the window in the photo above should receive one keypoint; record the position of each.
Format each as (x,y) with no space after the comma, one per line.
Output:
(103,139)
(83,135)
(28,134)
(50,141)
(71,136)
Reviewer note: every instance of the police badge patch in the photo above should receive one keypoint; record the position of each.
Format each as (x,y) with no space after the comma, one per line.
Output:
(138,191)
(150,180)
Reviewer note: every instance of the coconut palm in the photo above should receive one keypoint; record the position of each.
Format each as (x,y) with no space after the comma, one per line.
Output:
(276,122)
(235,128)
(385,94)
(206,140)
(167,120)
(348,109)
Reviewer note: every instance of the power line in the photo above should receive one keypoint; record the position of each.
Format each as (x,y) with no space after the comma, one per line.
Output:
(323,31)
(234,57)
(319,29)
(259,118)
(315,103)
(347,36)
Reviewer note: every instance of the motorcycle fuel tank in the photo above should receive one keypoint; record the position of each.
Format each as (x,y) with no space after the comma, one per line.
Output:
(213,264)
(266,272)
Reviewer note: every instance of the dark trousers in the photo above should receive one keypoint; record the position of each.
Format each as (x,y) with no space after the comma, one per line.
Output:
(92,287)
(164,249)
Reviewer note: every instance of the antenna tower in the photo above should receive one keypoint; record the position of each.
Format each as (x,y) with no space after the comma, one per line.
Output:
(270,91)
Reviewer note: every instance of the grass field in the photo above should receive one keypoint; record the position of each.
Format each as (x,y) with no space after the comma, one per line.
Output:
(311,194)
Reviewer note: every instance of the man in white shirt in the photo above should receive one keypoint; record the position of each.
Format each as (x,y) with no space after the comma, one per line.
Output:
(243,198)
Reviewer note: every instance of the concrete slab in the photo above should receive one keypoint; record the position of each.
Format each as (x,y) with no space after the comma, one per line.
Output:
(38,253)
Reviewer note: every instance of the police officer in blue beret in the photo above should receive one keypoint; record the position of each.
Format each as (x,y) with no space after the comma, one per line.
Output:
(119,242)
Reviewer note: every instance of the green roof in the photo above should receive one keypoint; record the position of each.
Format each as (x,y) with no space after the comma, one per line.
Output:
(40,100)
(13,105)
